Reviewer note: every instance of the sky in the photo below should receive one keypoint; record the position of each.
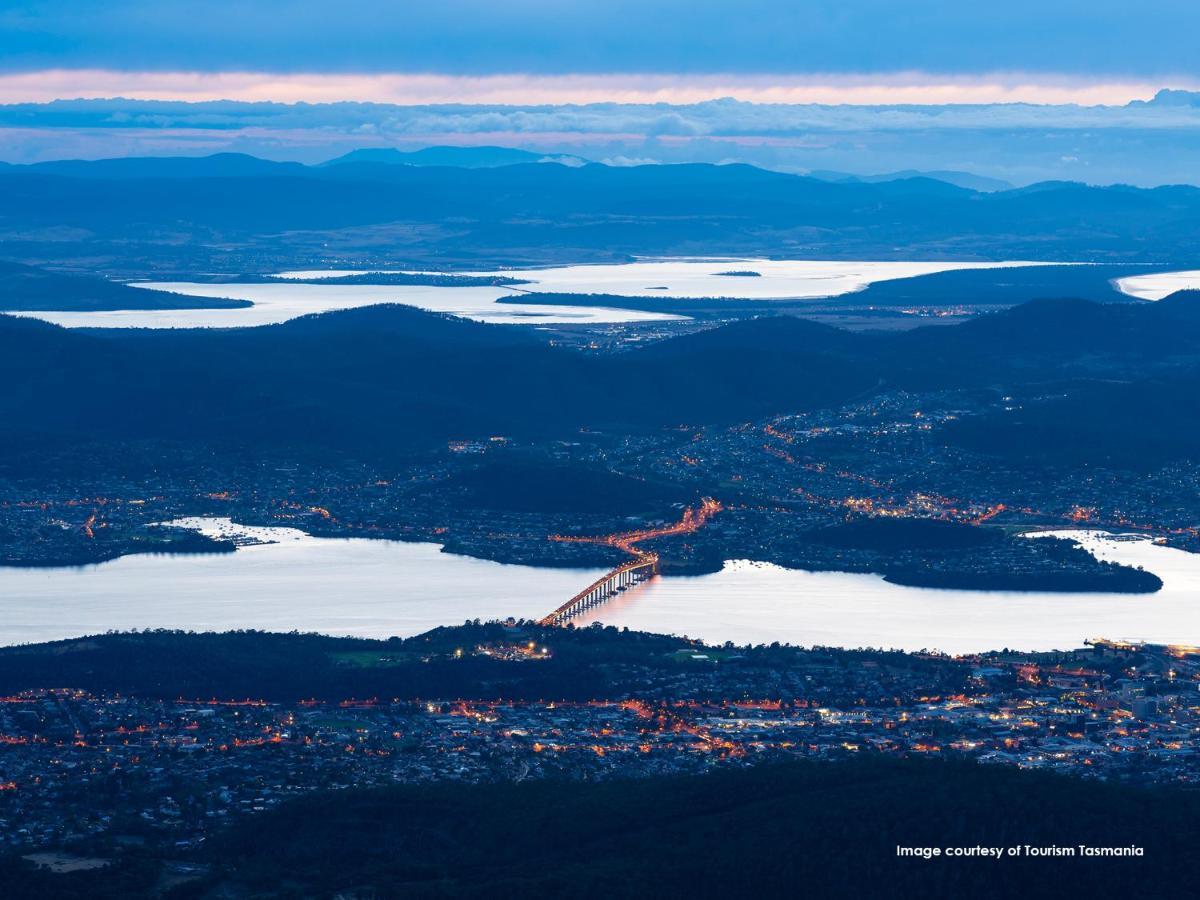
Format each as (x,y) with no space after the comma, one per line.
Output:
(1019,90)
(565,51)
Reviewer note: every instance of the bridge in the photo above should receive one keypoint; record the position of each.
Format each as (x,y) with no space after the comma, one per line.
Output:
(644,565)
(620,578)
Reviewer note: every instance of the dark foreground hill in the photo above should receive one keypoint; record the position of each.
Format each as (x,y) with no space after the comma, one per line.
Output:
(517,485)
(383,378)
(817,830)
(387,379)
(292,667)
(822,830)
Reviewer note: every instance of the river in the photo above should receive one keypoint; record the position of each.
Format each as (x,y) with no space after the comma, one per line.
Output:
(373,588)
(273,303)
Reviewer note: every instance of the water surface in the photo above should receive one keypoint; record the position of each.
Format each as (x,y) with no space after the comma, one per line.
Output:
(749,602)
(273,303)
(1157,285)
(343,586)
(374,588)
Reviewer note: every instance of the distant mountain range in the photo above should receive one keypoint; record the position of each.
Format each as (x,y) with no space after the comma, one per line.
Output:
(217,165)
(203,213)
(482,157)
(1144,143)
(958,179)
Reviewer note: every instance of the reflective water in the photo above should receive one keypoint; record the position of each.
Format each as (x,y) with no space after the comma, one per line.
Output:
(751,602)
(1159,284)
(383,588)
(776,279)
(676,278)
(350,586)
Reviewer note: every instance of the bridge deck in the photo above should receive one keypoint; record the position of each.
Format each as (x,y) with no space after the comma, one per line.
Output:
(603,588)
(643,565)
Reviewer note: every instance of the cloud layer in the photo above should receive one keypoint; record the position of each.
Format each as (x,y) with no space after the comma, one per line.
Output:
(1141,143)
(527,90)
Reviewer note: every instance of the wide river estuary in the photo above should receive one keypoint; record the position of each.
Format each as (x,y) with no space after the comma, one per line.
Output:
(289,297)
(373,588)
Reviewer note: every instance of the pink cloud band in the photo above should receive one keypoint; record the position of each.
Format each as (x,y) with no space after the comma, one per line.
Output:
(523,89)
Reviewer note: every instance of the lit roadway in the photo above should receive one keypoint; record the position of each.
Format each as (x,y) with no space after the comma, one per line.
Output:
(643,565)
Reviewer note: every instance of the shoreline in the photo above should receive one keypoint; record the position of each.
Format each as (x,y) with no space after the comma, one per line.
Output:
(227,536)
